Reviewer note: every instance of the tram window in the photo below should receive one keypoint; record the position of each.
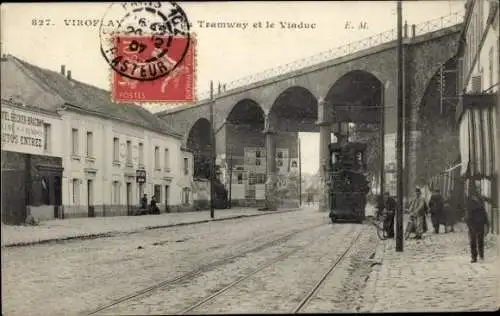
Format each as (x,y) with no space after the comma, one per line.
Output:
(334,158)
(359,157)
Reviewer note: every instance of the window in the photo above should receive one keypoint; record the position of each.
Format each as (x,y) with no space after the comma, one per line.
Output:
(157,157)
(116,192)
(257,154)
(157,193)
(129,152)
(185,196)
(167,161)
(186,166)
(116,149)
(90,144)
(476,84)
(74,141)
(257,162)
(240,178)
(76,192)
(141,154)
(46,136)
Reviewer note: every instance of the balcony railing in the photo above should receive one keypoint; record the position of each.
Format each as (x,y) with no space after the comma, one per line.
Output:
(344,50)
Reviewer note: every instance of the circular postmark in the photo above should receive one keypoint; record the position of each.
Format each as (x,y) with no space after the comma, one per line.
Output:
(144,40)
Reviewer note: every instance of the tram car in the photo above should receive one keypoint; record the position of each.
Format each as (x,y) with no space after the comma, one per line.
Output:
(347,182)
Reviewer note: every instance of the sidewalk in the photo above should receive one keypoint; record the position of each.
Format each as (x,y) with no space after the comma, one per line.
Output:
(80,228)
(434,275)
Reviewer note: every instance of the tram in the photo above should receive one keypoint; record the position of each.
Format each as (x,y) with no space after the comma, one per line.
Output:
(347,182)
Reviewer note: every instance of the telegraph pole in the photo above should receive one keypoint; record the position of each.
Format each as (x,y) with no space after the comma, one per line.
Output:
(399,141)
(230,173)
(300,174)
(212,150)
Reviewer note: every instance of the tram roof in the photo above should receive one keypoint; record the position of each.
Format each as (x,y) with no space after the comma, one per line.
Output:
(350,145)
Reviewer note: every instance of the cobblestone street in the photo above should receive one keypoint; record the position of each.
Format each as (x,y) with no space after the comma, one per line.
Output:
(167,270)
(434,275)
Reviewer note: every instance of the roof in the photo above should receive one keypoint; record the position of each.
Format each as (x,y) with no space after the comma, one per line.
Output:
(49,90)
(357,146)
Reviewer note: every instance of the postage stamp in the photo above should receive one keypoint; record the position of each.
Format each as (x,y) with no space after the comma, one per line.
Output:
(150,51)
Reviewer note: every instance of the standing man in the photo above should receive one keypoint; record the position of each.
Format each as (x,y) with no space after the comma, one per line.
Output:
(390,212)
(144,202)
(477,222)
(436,204)
(418,208)
(153,206)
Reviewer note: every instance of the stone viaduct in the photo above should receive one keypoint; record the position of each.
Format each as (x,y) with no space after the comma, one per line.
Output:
(358,87)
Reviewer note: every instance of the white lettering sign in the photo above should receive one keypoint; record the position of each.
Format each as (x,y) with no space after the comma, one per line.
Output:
(22,129)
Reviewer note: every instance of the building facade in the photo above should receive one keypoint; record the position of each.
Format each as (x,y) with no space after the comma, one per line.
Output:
(32,168)
(104,156)
(477,114)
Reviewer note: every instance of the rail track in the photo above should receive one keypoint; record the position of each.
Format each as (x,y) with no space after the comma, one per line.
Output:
(269,263)
(310,295)
(207,267)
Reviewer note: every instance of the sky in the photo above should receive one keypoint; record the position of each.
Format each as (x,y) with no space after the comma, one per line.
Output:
(223,54)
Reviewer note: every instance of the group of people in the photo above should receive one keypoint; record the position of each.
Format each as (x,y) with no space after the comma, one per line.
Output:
(152,208)
(442,212)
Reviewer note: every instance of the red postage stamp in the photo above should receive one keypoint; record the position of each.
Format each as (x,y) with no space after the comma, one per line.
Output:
(153,69)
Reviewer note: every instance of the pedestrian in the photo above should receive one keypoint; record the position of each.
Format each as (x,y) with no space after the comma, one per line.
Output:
(380,206)
(144,202)
(477,223)
(417,209)
(153,207)
(436,204)
(389,213)
(450,211)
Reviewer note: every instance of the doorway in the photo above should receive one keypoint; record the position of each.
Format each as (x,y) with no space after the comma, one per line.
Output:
(167,210)
(90,198)
(129,197)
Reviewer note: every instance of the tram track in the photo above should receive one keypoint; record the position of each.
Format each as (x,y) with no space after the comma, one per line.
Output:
(268,264)
(204,268)
(311,293)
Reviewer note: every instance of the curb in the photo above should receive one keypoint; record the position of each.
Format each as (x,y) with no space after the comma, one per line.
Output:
(118,233)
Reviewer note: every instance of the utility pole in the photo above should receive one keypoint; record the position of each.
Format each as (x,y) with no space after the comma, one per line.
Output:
(230,173)
(300,173)
(399,141)
(212,150)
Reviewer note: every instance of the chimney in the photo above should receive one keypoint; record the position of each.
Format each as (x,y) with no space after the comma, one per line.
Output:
(63,70)
(69,75)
